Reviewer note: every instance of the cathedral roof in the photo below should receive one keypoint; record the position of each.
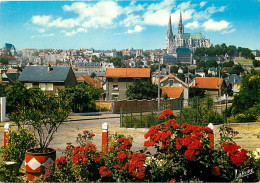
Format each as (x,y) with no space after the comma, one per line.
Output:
(191,35)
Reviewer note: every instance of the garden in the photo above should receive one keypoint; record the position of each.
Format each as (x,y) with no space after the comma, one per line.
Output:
(180,153)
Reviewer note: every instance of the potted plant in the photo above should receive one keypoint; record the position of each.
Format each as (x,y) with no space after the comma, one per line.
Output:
(44,113)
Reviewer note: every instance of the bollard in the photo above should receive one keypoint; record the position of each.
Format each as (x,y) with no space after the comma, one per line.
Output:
(7,126)
(104,137)
(211,135)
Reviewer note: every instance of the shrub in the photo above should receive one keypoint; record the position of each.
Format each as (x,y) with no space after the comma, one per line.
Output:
(18,143)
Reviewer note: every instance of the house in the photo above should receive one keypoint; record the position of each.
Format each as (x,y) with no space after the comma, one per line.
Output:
(213,71)
(88,80)
(211,85)
(48,78)
(172,92)
(172,81)
(233,82)
(200,72)
(118,79)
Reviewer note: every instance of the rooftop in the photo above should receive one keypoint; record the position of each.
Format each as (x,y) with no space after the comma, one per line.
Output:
(208,82)
(172,92)
(128,72)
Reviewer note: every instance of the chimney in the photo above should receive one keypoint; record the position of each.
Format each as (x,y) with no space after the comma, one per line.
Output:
(49,67)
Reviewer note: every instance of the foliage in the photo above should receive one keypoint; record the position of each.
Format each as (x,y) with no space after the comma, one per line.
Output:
(93,75)
(117,61)
(174,69)
(183,153)
(249,94)
(237,69)
(227,64)
(154,68)
(196,92)
(142,90)
(3,61)
(18,143)
(5,174)
(45,113)
(82,98)
(139,121)
(200,112)
(256,63)
(207,64)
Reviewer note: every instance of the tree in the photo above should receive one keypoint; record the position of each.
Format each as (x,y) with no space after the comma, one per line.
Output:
(231,50)
(119,54)
(256,63)
(237,69)
(82,98)
(142,90)
(174,69)
(3,61)
(93,75)
(154,68)
(249,94)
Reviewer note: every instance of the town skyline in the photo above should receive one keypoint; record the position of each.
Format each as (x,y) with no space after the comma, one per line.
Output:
(125,24)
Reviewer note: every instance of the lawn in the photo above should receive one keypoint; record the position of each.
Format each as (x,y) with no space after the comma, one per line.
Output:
(244,61)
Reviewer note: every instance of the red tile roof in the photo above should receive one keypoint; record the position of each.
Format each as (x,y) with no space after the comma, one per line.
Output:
(208,82)
(172,92)
(128,72)
(11,70)
(170,76)
(90,81)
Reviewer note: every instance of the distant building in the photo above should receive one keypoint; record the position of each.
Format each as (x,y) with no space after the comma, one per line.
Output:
(233,82)
(183,40)
(200,72)
(118,79)
(8,48)
(48,78)
(184,56)
(213,71)
(169,59)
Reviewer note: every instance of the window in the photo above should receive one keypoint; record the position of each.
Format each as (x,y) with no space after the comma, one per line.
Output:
(171,82)
(115,87)
(28,85)
(46,86)
(115,96)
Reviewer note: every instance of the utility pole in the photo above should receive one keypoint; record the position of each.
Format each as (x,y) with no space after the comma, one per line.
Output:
(159,76)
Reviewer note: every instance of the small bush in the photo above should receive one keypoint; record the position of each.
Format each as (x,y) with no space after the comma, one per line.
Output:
(18,143)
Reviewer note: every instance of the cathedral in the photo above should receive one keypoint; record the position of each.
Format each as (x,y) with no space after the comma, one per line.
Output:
(183,40)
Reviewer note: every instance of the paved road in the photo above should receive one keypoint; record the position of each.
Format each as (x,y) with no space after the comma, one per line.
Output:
(69,131)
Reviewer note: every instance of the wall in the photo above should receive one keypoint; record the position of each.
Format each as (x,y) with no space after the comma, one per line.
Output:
(104,104)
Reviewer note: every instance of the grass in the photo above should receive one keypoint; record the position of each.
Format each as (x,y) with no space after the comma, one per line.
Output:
(244,61)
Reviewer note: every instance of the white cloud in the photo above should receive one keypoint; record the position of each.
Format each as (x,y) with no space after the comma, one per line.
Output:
(43,35)
(192,25)
(206,14)
(228,31)
(81,29)
(184,6)
(131,20)
(202,4)
(73,32)
(41,20)
(137,28)
(41,30)
(215,26)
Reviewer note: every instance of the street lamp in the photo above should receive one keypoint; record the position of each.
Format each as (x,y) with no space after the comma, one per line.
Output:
(159,75)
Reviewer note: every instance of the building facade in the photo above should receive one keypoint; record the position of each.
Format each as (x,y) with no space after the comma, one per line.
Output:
(183,40)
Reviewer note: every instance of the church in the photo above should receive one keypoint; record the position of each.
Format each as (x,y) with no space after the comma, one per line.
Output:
(183,43)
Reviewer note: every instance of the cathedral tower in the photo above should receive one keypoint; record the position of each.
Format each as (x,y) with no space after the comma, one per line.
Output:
(180,26)
(169,35)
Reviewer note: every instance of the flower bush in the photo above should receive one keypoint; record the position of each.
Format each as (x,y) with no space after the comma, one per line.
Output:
(183,153)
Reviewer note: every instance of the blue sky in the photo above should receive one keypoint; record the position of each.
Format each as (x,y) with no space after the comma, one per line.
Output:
(125,24)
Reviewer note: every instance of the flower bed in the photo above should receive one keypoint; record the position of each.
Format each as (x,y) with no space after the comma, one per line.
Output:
(183,153)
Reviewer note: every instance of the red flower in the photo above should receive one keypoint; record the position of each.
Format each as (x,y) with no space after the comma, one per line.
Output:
(161,117)
(121,156)
(195,145)
(90,147)
(104,172)
(61,161)
(178,143)
(96,158)
(216,171)
(173,180)
(189,155)
(92,134)
(169,113)
(85,131)
(112,148)
(126,144)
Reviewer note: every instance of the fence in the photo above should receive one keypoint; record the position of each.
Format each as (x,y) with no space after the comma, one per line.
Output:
(197,112)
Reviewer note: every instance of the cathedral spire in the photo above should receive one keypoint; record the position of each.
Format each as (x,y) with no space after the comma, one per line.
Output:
(169,30)
(180,26)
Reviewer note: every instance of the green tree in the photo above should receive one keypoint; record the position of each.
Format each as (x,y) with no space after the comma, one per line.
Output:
(93,75)
(249,94)
(231,50)
(237,69)
(119,54)
(142,90)
(3,61)
(174,69)
(82,98)
(256,63)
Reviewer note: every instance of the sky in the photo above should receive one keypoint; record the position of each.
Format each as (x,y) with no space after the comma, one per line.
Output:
(122,24)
